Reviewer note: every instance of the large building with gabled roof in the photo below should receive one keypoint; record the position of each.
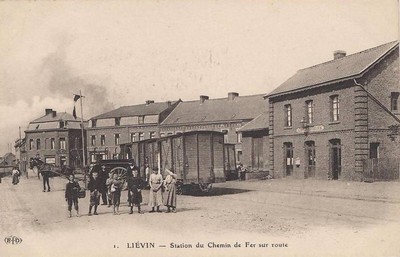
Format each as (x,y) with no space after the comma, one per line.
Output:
(125,124)
(222,114)
(56,138)
(338,119)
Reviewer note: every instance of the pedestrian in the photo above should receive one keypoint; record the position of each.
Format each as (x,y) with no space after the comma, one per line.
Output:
(135,185)
(46,171)
(170,189)
(15,176)
(108,189)
(71,194)
(147,173)
(116,187)
(103,177)
(155,183)
(94,186)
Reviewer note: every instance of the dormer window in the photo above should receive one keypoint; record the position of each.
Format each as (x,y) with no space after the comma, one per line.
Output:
(62,124)
(94,123)
(117,121)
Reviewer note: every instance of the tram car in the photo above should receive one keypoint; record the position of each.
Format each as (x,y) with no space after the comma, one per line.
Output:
(197,157)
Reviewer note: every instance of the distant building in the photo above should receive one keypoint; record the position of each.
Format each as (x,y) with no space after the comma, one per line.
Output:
(8,159)
(223,114)
(331,120)
(123,125)
(56,138)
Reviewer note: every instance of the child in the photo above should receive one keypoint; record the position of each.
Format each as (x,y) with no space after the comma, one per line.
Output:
(135,185)
(71,194)
(95,187)
(116,186)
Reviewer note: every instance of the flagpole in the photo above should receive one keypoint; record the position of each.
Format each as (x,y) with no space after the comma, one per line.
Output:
(82,129)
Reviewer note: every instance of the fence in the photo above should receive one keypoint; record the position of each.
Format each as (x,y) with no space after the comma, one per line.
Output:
(382,169)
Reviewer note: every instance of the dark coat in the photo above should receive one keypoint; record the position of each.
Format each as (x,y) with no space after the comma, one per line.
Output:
(134,185)
(95,185)
(72,190)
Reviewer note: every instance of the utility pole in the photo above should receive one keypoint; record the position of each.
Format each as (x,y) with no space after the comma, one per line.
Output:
(83,136)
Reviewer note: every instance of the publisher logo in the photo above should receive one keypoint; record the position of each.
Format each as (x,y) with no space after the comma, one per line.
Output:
(12,240)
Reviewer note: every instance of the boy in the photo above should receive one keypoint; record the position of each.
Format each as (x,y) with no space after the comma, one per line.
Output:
(95,186)
(71,194)
(135,185)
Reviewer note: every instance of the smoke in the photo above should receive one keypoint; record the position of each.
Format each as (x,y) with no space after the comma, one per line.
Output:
(64,81)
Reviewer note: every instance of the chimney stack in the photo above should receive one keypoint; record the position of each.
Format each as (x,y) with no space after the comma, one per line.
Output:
(169,103)
(232,95)
(48,111)
(203,98)
(149,102)
(338,54)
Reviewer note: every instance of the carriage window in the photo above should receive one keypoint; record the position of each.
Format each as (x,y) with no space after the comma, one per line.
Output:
(38,143)
(103,140)
(62,143)
(52,143)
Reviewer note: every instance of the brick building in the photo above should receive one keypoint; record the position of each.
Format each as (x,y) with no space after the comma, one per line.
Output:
(331,120)
(222,114)
(123,125)
(56,138)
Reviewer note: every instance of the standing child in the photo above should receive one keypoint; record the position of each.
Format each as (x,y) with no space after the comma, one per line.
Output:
(95,186)
(135,185)
(71,194)
(116,187)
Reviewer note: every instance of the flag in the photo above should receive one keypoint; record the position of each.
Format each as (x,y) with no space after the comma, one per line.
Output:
(76,97)
(74,113)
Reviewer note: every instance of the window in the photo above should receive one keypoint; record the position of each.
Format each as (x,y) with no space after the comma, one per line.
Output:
(162,134)
(334,108)
(94,123)
(117,121)
(288,115)
(46,143)
(152,134)
(141,119)
(116,139)
(394,101)
(93,140)
(103,140)
(310,112)
(133,137)
(141,136)
(225,131)
(374,150)
(52,143)
(38,143)
(62,143)
(31,144)
(239,137)
(62,124)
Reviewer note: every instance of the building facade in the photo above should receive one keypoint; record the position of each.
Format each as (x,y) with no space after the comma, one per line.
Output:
(332,120)
(226,115)
(123,125)
(56,138)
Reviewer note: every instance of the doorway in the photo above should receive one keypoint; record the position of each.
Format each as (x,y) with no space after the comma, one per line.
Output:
(310,159)
(288,158)
(335,158)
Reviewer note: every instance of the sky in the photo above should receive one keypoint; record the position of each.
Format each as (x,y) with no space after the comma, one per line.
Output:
(126,52)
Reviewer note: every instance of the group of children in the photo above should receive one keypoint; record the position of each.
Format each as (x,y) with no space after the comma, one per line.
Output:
(113,186)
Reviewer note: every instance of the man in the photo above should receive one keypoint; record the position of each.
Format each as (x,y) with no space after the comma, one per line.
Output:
(103,189)
(95,187)
(46,175)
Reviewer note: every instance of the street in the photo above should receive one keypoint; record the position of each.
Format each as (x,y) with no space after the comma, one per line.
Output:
(267,218)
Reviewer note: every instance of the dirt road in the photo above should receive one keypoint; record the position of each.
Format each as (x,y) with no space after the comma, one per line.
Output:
(263,217)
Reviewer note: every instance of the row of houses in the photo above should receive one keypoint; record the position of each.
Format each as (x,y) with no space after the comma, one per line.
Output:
(334,120)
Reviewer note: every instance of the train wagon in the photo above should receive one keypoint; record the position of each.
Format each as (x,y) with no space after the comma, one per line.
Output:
(197,157)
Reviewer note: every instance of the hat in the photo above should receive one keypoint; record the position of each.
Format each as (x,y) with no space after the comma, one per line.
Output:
(155,168)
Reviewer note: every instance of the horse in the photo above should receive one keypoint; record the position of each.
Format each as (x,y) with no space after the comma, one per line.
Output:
(45,169)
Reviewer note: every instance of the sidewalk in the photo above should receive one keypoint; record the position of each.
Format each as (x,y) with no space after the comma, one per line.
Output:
(377,192)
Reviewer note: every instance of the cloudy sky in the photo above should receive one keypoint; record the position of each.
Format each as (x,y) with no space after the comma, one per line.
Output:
(126,52)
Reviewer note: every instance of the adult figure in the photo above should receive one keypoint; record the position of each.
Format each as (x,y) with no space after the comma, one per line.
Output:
(170,189)
(15,175)
(94,186)
(71,194)
(103,190)
(155,182)
(46,172)
(135,185)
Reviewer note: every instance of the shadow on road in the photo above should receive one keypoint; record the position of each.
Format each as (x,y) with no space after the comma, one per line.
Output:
(221,191)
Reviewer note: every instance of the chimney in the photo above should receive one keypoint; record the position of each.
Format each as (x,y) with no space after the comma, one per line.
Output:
(338,54)
(48,111)
(149,102)
(53,114)
(168,103)
(232,95)
(203,98)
